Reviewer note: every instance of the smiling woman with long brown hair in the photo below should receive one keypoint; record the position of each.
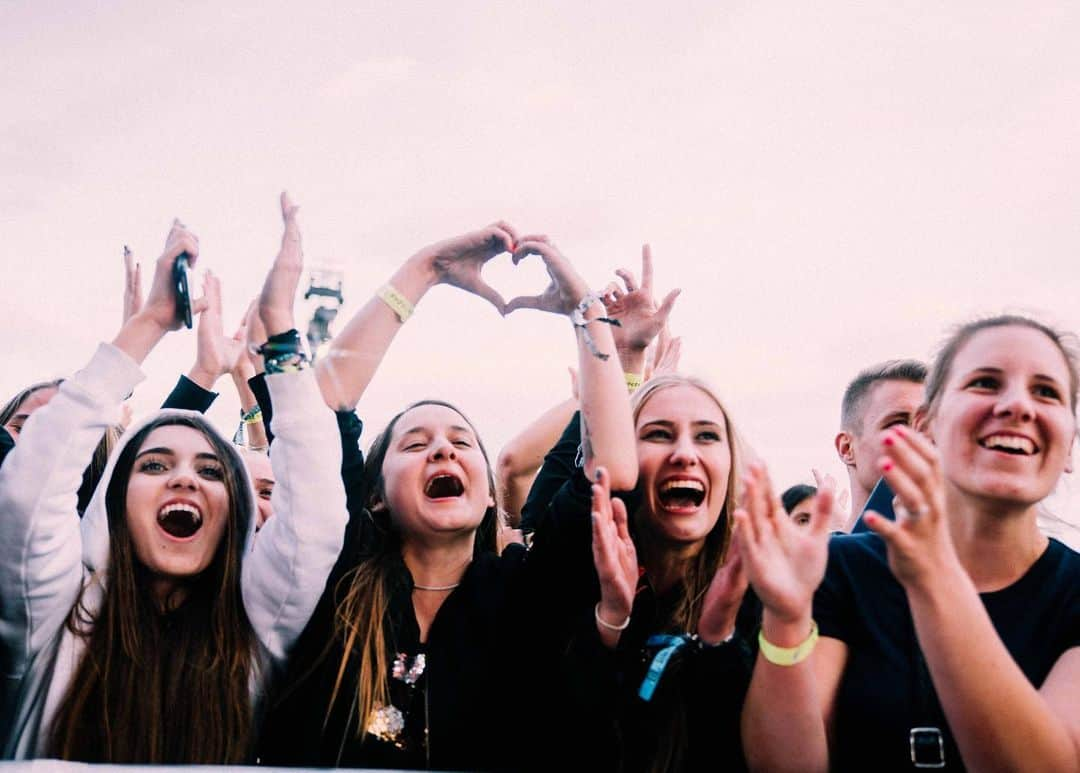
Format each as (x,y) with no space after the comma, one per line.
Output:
(146,632)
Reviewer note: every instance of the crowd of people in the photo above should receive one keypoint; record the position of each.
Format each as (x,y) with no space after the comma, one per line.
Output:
(622,588)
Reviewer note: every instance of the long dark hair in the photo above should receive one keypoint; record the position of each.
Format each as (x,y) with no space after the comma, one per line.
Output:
(360,618)
(162,685)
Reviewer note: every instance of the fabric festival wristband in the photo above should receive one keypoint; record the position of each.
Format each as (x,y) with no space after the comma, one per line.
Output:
(397,302)
(254,416)
(788,656)
(633,381)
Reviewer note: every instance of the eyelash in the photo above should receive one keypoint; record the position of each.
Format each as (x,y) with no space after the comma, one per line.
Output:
(210,472)
(662,434)
(1045,391)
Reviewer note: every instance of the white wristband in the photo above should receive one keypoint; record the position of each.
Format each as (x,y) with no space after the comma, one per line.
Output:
(620,627)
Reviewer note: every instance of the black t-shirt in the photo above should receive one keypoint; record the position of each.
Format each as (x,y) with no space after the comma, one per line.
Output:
(881,695)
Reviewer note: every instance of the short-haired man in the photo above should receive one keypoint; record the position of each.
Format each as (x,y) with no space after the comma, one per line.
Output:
(880,397)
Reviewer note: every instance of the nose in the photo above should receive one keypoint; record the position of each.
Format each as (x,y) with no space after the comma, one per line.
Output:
(442,449)
(1015,403)
(182,477)
(683,452)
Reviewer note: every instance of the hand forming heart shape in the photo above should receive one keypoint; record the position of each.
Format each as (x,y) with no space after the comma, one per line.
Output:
(458,261)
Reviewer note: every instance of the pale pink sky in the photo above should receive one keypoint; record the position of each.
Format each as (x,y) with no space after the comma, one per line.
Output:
(832,184)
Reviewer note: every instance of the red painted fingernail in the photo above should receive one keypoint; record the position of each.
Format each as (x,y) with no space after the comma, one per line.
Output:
(887,466)
(888,440)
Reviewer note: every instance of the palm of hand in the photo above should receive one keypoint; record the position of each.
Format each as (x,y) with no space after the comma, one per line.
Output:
(638,320)
(723,598)
(793,561)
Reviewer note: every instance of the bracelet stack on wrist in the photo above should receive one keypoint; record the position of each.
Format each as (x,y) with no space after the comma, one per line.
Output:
(283,353)
(788,656)
(252,416)
(577,319)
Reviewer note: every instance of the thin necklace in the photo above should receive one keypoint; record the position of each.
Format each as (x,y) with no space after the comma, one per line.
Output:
(418,586)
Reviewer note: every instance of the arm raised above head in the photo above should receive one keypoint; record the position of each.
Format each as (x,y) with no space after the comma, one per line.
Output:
(608,428)
(358,350)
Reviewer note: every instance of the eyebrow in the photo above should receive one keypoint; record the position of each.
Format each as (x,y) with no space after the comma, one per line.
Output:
(161,450)
(265,480)
(895,415)
(424,430)
(695,423)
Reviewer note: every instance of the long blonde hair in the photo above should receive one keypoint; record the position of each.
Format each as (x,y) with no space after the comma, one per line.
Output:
(700,571)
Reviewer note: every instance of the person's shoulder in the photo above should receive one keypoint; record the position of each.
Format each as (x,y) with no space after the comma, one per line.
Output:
(862,548)
(1064,564)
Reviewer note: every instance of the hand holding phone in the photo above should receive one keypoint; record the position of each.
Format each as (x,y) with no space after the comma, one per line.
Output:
(181,286)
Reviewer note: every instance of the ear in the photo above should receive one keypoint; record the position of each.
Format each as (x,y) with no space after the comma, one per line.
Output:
(920,422)
(845,448)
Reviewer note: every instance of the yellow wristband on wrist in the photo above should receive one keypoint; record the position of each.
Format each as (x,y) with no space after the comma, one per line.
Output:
(633,381)
(397,302)
(788,656)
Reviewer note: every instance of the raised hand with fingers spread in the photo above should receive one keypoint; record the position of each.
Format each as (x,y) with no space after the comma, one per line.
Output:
(640,317)
(784,562)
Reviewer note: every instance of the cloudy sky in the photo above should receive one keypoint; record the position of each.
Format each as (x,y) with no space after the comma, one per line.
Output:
(831,184)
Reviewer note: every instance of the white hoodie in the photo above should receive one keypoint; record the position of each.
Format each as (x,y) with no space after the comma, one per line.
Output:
(47,554)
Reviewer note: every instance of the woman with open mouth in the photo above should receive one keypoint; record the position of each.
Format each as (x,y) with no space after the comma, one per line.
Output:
(146,632)
(949,638)
(662,665)
(406,662)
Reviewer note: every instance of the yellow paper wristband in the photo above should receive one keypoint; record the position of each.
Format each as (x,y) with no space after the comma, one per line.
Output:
(397,302)
(788,656)
(633,381)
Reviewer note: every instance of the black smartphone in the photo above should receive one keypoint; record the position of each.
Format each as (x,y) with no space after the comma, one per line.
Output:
(180,284)
(880,501)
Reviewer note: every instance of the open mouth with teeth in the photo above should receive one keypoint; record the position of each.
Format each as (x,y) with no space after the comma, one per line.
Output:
(681,494)
(444,487)
(1010,444)
(179,520)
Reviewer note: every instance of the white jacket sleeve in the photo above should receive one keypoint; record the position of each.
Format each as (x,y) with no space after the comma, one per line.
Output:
(286,572)
(40,547)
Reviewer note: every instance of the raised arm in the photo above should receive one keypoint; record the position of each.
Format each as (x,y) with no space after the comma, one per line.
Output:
(294,552)
(41,550)
(999,719)
(641,319)
(605,405)
(784,724)
(358,350)
(522,456)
